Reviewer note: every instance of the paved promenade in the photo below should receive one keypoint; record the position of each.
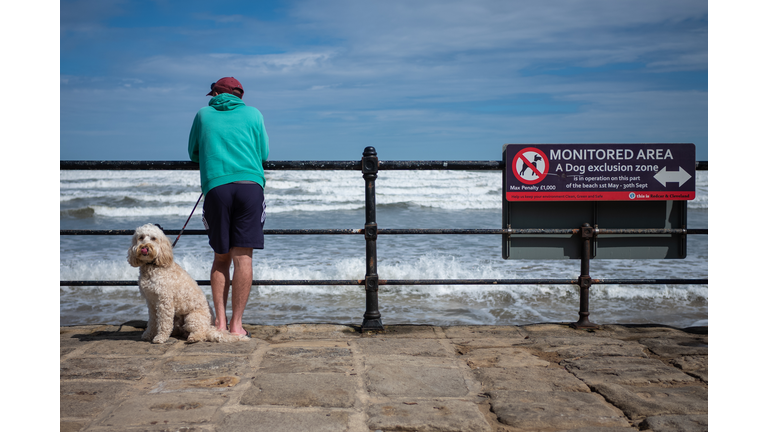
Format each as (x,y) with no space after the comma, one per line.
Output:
(544,377)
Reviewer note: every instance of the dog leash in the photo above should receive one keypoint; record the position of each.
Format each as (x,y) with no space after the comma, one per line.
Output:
(185,223)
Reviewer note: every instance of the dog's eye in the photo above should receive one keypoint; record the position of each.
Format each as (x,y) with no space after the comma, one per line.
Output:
(153,239)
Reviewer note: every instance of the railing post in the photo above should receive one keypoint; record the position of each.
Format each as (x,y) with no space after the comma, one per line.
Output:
(585,280)
(372,317)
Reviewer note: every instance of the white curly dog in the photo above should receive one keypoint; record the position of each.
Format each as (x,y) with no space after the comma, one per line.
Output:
(174,299)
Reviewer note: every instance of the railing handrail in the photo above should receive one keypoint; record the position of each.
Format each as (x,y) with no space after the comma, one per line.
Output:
(341,282)
(300,165)
(416,231)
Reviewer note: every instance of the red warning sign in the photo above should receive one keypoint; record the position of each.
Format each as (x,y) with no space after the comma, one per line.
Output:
(600,172)
(530,165)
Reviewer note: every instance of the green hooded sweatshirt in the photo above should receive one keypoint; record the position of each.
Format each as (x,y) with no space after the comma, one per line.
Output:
(229,142)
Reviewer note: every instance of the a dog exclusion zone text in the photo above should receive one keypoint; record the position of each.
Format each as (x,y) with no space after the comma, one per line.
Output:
(599,172)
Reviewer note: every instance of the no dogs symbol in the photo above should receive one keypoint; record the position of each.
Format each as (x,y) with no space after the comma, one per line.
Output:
(530,165)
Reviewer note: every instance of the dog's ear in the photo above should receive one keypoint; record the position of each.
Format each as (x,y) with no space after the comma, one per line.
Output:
(132,260)
(165,251)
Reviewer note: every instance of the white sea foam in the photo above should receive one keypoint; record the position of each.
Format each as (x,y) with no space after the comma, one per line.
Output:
(312,207)
(120,194)
(143,211)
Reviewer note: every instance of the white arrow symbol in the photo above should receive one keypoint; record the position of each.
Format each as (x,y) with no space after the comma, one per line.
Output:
(672,176)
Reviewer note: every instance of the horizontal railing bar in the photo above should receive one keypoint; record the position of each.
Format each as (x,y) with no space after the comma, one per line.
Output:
(523,231)
(427,282)
(192,166)
(126,165)
(313,165)
(203,232)
(441,165)
(300,165)
(649,281)
(408,231)
(537,281)
(652,231)
(208,282)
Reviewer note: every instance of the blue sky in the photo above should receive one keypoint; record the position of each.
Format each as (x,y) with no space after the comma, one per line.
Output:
(443,80)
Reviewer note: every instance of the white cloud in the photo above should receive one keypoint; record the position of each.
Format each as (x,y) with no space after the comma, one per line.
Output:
(211,65)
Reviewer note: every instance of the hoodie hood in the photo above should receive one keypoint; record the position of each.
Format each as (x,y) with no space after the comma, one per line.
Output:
(225,102)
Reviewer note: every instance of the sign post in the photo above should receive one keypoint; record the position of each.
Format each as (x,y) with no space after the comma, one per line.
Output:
(586,187)
(619,186)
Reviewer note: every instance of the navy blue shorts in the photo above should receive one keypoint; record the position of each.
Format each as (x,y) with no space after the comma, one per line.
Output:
(233,215)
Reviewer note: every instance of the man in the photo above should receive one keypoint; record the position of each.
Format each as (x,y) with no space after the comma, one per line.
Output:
(230,143)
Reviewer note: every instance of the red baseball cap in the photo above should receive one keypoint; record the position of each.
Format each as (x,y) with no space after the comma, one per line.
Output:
(226,85)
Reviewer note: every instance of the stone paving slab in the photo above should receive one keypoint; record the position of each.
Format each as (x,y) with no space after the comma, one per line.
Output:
(212,384)
(691,363)
(160,409)
(677,347)
(106,368)
(284,421)
(427,415)
(403,380)
(464,344)
(559,410)
(240,348)
(301,360)
(677,423)
(640,402)
(329,377)
(307,331)
(536,379)
(409,347)
(154,428)
(88,398)
(509,333)
(72,426)
(626,370)
(644,331)
(502,358)
(600,429)
(571,347)
(301,390)
(198,366)
(407,331)
(123,348)
(696,366)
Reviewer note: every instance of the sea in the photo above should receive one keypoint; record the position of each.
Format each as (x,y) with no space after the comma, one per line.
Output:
(104,200)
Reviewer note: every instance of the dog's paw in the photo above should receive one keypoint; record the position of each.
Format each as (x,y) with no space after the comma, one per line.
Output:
(159,339)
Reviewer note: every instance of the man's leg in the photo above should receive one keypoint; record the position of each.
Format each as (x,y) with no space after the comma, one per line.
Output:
(241,286)
(220,287)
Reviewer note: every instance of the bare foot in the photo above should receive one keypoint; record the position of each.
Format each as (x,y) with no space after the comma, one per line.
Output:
(238,330)
(221,325)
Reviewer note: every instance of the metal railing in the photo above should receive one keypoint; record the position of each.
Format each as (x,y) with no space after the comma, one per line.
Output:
(370,165)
